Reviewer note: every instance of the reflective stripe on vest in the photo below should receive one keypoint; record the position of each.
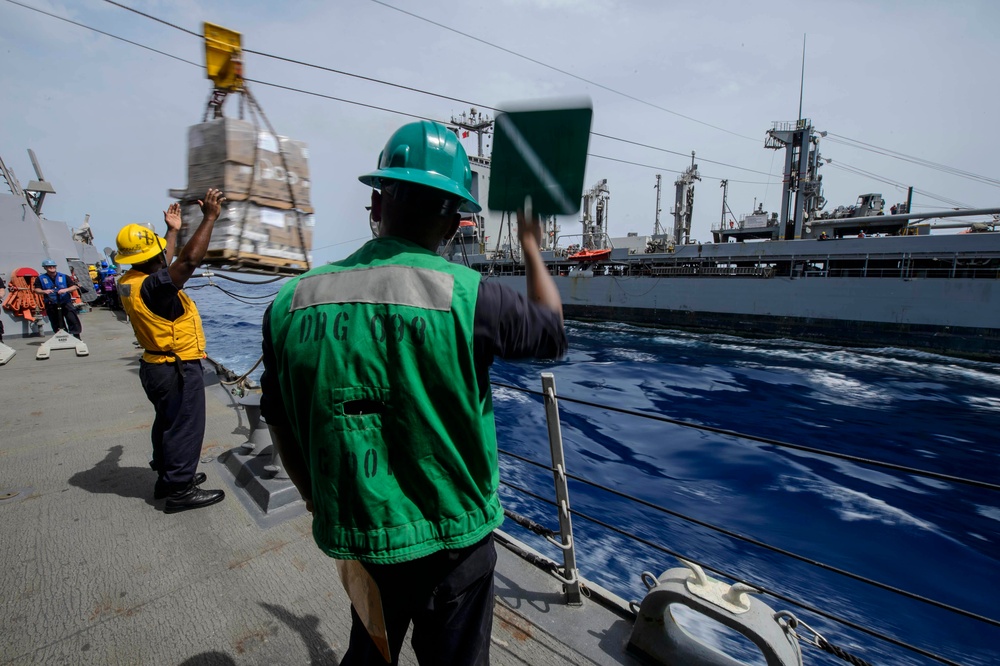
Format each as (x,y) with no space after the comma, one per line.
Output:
(396,285)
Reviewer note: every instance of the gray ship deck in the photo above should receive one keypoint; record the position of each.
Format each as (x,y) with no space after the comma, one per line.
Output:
(95,574)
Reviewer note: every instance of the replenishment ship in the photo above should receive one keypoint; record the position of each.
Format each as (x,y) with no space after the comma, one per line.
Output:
(858,275)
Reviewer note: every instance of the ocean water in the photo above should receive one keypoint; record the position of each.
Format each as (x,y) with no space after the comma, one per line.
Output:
(936,539)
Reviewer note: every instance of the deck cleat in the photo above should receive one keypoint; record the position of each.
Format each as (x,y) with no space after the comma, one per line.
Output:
(659,637)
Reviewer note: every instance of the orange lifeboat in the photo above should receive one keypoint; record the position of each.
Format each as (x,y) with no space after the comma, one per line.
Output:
(591,255)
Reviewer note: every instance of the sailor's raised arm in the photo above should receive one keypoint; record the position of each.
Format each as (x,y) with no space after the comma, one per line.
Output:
(541,287)
(172,216)
(193,252)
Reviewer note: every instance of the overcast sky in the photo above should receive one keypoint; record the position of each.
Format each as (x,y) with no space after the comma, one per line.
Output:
(108,119)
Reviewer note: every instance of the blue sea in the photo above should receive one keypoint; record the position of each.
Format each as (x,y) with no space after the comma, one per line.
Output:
(936,539)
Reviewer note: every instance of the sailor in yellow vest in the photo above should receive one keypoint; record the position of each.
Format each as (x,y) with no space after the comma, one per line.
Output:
(377,393)
(167,325)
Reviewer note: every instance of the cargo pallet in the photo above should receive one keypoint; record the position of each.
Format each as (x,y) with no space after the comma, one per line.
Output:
(251,262)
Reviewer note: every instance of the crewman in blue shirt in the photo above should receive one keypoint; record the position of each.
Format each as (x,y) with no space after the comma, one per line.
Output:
(58,288)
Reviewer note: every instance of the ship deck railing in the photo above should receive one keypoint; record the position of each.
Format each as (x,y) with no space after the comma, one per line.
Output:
(720,271)
(562,565)
(813,268)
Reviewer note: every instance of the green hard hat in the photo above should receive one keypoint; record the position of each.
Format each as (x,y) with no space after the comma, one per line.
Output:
(429,154)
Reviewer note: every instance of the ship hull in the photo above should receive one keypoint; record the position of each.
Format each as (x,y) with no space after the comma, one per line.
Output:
(957,316)
(932,293)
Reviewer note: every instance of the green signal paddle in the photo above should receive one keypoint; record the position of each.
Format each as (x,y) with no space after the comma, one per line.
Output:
(542,154)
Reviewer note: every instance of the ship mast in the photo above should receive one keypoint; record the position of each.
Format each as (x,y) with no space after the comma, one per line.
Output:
(725,193)
(801,176)
(684,203)
(656,226)
(594,228)
(473,120)
(802,162)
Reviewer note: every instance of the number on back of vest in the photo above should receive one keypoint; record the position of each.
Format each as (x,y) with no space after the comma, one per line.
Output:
(383,327)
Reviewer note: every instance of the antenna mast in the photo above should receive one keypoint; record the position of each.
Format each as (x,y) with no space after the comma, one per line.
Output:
(656,227)
(37,189)
(725,193)
(802,80)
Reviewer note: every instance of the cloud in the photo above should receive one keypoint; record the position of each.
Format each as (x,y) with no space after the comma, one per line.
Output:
(109,120)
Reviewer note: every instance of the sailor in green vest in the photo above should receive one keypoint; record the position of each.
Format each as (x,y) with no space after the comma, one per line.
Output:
(376,391)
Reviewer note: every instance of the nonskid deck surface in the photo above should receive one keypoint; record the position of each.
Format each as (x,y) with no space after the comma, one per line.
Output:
(95,573)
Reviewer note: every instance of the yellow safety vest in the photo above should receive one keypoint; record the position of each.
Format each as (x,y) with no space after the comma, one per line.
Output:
(162,339)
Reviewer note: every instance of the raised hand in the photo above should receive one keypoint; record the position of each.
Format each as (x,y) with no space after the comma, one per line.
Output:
(172,216)
(212,205)
(529,226)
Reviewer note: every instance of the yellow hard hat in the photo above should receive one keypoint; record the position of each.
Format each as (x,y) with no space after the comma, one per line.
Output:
(137,244)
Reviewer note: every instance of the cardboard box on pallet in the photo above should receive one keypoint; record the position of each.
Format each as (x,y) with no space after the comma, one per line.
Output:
(248,163)
(268,235)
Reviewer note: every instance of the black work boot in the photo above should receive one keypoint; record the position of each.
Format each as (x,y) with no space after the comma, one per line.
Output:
(192,497)
(162,488)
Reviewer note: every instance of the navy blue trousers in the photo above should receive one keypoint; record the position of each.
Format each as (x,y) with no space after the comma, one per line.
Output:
(177,392)
(63,315)
(449,598)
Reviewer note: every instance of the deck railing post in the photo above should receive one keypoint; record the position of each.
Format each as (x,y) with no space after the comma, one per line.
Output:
(571,582)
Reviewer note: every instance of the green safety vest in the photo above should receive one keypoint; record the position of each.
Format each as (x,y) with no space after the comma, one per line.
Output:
(375,363)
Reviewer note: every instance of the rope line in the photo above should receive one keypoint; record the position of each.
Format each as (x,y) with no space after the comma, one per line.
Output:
(151,17)
(767,440)
(563,71)
(827,646)
(777,595)
(529,524)
(246,374)
(926,163)
(102,32)
(232,279)
(774,549)
(790,623)
(451,98)
(955,171)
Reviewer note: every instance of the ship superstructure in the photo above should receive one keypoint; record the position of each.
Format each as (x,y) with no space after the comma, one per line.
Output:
(29,237)
(854,275)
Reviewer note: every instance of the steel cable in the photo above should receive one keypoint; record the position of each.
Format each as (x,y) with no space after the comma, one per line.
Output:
(767,546)
(777,595)
(766,440)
